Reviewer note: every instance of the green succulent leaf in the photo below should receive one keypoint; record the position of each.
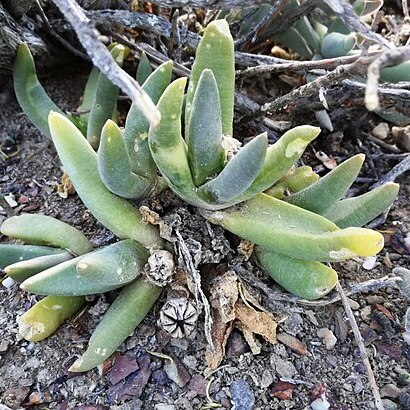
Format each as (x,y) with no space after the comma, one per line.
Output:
(137,126)
(114,165)
(296,180)
(362,209)
(215,52)
(20,271)
(144,69)
(45,317)
(105,100)
(400,72)
(39,229)
(306,30)
(121,319)
(337,44)
(296,232)
(307,279)
(100,271)
(167,146)
(292,39)
(12,253)
(205,152)
(89,94)
(80,163)
(30,94)
(327,191)
(238,174)
(280,158)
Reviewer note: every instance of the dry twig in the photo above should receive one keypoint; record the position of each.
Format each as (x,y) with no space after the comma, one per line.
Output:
(362,349)
(101,57)
(402,167)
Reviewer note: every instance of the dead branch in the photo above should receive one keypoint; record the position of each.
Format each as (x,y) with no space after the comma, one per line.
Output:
(101,57)
(12,34)
(313,87)
(275,295)
(213,4)
(402,167)
(296,66)
(346,13)
(362,349)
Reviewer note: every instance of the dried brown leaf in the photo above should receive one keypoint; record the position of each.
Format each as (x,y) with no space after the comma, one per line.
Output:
(259,323)
(220,335)
(224,295)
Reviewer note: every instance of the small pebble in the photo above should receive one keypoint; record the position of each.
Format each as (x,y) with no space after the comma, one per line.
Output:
(293,324)
(163,406)
(328,336)
(365,313)
(373,299)
(282,367)
(242,396)
(389,405)
(267,379)
(369,263)
(381,131)
(391,391)
(353,304)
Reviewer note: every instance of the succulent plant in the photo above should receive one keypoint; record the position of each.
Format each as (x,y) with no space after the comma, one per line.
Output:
(300,222)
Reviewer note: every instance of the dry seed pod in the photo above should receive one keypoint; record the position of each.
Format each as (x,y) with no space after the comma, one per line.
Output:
(178,317)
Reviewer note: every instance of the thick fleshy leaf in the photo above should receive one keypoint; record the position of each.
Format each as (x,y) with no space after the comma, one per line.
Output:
(114,165)
(120,321)
(100,271)
(238,174)
(337,44)
(362,209)
(306,30)
(144,69)
(327,191)
(205,152)
(45,317)
(216,52)
(167,146)
(89,94)
(296,180)
(12,253)
(39,229)
(30,94)
(396,73)
(106,94)
(280,158)
(20,271)
(136,125)
(295,232)
(292,39)
(306,279)
(80,163)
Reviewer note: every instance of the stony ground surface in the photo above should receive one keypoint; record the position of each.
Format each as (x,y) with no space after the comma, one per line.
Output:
(324,367)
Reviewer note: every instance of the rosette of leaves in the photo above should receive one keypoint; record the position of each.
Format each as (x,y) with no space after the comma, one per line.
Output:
(296,225)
